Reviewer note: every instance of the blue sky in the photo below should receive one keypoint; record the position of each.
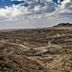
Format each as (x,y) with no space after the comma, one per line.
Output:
(34,13)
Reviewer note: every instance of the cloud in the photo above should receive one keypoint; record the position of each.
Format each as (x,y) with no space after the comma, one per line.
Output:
(66,8)
(33,8)
(37,9)
(45,13)
(13,11)
(64,3)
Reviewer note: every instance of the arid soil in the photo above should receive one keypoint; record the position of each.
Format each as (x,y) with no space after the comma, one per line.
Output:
(36,50)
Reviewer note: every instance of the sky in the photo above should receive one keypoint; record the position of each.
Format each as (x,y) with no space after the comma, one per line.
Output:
(24,14)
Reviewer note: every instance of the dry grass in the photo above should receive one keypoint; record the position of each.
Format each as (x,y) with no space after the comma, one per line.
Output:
(30,50)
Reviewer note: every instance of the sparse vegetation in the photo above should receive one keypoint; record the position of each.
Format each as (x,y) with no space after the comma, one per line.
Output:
(36,50)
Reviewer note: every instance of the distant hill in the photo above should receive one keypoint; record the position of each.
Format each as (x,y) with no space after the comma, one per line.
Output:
(63,25)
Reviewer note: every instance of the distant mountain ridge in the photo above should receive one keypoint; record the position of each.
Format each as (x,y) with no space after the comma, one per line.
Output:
(63,25)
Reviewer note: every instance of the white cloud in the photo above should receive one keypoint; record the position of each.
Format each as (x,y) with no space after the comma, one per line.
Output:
(66,8)
(35,15)
(16,10)
(13,11)
(64,3)
(37,10)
